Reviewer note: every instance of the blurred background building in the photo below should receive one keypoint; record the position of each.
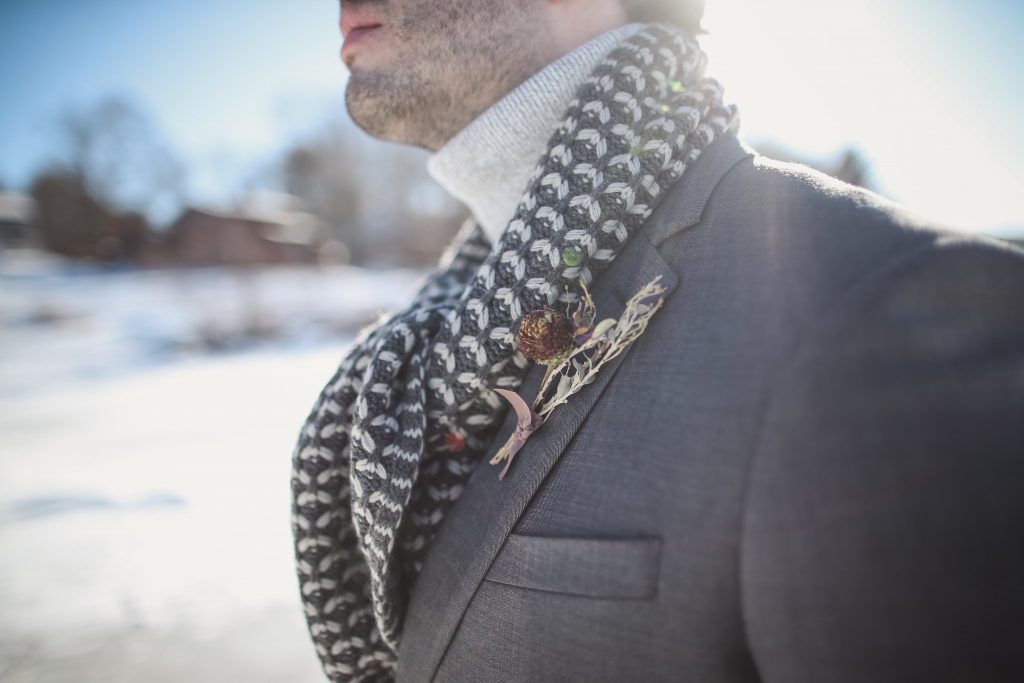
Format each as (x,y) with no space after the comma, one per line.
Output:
(192,231)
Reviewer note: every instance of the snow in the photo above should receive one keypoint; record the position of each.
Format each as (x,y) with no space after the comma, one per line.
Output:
(144,500)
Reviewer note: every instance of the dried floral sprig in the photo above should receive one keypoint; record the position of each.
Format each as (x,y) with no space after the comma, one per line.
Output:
(609,338)
(596,346)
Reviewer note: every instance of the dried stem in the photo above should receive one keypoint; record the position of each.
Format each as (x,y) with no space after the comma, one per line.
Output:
(610,338)
(606,346)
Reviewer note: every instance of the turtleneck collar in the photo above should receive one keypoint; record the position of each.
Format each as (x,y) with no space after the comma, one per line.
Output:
(487,164)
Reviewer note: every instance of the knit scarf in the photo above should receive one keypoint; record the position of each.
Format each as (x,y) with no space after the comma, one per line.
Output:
(409,413)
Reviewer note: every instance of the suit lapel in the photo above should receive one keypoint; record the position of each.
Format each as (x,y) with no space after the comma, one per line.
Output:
(488,509)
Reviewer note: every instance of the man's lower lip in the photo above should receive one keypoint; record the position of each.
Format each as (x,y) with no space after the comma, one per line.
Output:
(354,36)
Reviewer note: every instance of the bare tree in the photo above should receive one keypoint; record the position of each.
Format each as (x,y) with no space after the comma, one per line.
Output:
(376,197)
(111,180)
(114,150)
(73,223)
(323,171)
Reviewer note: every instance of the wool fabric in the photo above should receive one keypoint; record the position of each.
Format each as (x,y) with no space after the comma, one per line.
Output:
(487,164)
(404,421)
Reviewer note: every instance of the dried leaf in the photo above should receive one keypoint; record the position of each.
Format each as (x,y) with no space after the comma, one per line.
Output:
(602,328)
(523,410)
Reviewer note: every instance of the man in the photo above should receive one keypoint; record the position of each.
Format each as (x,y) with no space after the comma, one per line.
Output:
(808,466)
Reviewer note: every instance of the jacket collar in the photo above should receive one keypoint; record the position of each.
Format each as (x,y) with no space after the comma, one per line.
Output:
(477,526)
(685,204)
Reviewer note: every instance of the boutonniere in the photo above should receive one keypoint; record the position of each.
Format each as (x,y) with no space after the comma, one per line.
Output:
(574,349)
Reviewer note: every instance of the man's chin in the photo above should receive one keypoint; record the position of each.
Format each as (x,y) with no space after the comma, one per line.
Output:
(372,103)
(397,105)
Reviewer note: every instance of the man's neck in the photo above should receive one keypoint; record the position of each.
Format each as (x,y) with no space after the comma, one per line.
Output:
(488,163)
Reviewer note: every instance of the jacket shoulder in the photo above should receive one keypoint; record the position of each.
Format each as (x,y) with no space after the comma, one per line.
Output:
(883,507)
(809,199)
(808,237)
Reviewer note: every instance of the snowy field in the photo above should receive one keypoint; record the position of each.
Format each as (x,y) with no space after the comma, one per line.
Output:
(146,427)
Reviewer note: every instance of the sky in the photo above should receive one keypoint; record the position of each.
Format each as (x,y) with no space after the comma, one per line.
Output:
(224,82)
(928,90)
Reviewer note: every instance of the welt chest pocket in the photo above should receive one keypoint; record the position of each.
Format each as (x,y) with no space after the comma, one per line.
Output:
(614,568)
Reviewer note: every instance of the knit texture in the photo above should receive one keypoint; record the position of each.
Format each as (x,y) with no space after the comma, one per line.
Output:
(409,413)
(488,164)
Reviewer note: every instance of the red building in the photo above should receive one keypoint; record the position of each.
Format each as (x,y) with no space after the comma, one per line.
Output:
(209,237)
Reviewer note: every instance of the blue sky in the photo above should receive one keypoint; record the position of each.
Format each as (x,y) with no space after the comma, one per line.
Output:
(929,90)
(225,82)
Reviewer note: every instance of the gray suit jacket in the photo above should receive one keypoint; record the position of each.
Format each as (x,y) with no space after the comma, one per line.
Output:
(810,467)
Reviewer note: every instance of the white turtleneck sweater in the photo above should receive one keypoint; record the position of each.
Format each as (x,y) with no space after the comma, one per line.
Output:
(487,164)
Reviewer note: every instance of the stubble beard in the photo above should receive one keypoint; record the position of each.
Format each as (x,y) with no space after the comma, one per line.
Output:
(445,77)
(399,105)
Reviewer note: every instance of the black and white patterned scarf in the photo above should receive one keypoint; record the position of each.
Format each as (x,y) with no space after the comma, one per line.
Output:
(408,414)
